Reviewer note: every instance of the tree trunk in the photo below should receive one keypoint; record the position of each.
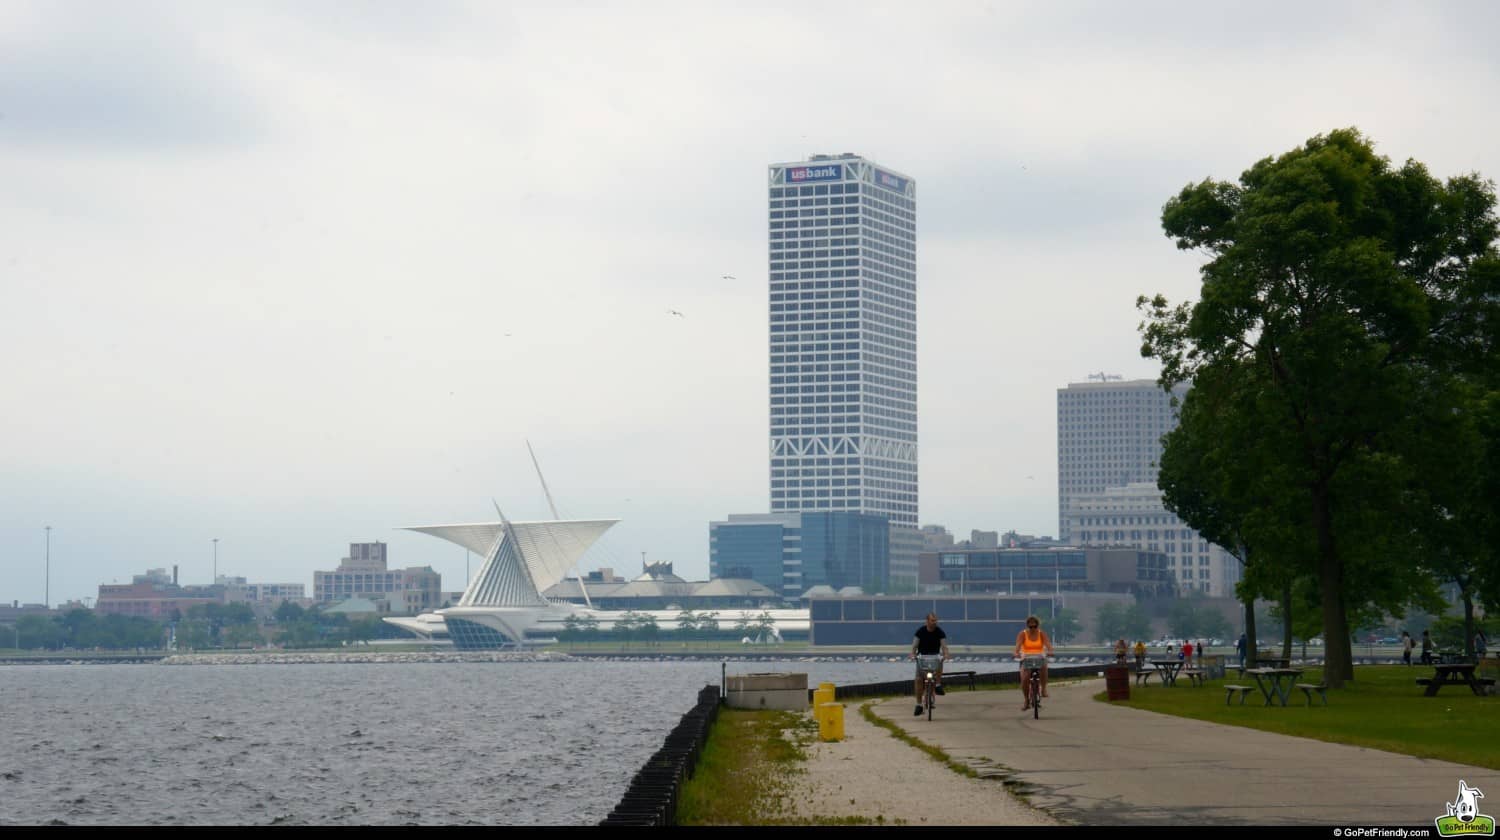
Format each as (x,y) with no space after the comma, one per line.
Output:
(1250,632)
(1468,621)
(1286,620)
(1338,662)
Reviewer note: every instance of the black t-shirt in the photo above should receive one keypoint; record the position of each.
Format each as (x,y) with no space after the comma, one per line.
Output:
(930,642)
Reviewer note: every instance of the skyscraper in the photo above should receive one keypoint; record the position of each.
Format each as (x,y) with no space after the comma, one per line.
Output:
(843,278)
(1108,450)
(1108,435)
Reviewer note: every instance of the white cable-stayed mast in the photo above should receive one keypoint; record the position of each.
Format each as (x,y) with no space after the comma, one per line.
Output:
(551,505)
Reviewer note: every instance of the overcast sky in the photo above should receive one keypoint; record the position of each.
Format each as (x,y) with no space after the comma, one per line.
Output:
(294,274)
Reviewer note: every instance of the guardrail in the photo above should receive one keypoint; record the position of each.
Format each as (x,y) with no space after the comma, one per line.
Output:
(651,798)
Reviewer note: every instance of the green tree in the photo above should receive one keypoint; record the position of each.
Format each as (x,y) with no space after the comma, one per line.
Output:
(1065,625)
(572,628)
(234,635)
(1350,289)
(288,612)
(628,626)
(1137,625)
(764,625)
(302,633)
(365,629)
(40,631)
(1109,622)
(194,634)
(648,629)
(1182,619)
(1213,625)
(708,624)
(687,624)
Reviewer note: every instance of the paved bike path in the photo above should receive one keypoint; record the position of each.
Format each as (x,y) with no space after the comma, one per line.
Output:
(1095,763)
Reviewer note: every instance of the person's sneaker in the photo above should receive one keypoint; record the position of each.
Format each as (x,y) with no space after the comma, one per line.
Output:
(938,690)
(918,711)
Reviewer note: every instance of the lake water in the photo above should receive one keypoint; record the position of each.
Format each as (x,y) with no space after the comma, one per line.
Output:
(505,743)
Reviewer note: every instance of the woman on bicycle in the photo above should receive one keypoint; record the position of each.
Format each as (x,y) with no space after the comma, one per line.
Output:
(1033,641)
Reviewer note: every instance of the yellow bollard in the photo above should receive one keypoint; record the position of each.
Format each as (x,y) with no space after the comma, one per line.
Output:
(823,694)
(831,722)
(828,686)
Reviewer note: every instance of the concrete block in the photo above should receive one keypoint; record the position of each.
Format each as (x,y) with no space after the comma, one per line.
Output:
(766,691)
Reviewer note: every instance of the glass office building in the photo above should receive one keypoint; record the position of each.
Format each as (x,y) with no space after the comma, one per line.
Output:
(793,552)
(843,344)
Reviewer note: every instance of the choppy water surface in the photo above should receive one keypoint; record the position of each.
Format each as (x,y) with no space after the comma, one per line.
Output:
(525,743)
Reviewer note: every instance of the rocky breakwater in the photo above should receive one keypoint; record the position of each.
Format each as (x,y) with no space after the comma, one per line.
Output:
(356,657)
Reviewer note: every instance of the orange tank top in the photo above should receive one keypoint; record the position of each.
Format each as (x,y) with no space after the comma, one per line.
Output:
(1030,645)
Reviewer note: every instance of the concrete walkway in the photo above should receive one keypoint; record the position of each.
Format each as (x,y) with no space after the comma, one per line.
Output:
(1093,763)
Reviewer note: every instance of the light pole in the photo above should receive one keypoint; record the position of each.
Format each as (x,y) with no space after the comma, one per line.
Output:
(216,560)
(47,590)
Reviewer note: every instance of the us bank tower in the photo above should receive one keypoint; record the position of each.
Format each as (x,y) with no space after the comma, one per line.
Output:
(843,341)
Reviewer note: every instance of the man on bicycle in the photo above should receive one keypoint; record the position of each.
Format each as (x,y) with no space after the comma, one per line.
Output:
(929,640)
(1033,641)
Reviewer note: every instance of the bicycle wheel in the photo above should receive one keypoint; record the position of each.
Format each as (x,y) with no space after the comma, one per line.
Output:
(1036,695)
(931,700)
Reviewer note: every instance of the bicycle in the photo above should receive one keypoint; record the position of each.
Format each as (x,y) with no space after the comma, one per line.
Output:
(1031,669)
(928,665)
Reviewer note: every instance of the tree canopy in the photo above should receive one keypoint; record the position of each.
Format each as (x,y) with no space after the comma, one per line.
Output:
(1346,322)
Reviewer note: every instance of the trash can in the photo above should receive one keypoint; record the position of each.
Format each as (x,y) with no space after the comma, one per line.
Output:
(1117,682)
(831,722)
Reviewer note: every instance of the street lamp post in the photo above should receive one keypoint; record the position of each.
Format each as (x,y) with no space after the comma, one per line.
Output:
(47,587)
(216,560)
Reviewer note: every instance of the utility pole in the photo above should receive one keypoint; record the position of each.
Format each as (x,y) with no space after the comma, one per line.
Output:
(47,587)
(216,560)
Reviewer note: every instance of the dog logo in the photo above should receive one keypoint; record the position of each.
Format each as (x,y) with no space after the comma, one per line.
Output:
(1463,818)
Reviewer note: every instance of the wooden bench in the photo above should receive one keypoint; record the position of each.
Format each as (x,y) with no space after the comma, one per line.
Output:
(1309,688)
(1144,677)
(962,675)
(1229,691)
(1195,675)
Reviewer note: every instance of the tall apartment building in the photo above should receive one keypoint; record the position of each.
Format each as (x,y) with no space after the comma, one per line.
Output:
(1108,450)
(843,345)
(1108,435)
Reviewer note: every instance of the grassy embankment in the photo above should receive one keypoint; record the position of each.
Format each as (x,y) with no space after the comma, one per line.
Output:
(1382,708)
(751,770)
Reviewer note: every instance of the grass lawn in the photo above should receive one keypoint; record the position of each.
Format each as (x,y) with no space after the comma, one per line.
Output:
(1382,708)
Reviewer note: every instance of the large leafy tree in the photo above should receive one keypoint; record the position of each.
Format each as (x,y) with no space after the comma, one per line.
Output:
(1342,285)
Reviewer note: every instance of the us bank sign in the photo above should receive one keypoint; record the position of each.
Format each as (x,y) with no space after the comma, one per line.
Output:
(808,174)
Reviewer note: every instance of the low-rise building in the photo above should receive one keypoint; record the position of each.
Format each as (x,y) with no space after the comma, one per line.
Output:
(1059,569)
(364,574)
(154,595)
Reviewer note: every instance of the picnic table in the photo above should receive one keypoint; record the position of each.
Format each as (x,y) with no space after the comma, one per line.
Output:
(1274,683)
(1456,673)
(1168,668)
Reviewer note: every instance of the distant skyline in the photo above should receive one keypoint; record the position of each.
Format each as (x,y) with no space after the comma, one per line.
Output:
(295,275)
